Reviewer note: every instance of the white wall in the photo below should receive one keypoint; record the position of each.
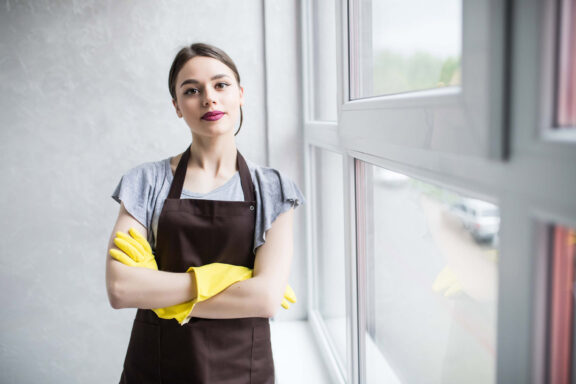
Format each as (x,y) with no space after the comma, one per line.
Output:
(83,98)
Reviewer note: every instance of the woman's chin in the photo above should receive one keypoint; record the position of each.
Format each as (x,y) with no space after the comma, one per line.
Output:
(215,132)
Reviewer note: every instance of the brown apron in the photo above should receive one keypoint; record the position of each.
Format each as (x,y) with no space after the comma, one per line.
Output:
(194,232)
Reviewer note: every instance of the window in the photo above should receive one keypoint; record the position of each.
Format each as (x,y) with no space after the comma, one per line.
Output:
(566,84)
(444,274)
(401,50)
(430,276)
(561,337)
(329,262)
(322,69)
(426,75)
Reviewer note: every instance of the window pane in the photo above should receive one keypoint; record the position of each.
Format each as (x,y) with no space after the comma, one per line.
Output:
(401,50)
(431,282)
(566,113)
(324,60)
(562,296)
(330,248)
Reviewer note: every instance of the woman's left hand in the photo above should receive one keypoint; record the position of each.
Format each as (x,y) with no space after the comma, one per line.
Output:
(135,251)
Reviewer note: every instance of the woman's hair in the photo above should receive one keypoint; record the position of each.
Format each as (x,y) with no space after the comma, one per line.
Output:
(198,49)
(205,50)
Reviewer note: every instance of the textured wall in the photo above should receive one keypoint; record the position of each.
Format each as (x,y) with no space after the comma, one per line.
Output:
(83,98)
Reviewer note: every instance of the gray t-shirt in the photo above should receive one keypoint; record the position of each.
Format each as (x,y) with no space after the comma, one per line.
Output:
(144,188)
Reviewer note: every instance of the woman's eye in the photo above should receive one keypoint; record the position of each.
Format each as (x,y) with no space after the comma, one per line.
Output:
(222,85)
(191,91)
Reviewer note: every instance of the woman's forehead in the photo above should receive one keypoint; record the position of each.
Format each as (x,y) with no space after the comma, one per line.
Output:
(203,68)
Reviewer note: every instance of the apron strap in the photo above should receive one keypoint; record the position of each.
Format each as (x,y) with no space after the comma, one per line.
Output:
(180,175)
(245,179)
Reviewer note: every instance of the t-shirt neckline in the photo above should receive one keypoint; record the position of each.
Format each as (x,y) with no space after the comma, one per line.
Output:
(188,193)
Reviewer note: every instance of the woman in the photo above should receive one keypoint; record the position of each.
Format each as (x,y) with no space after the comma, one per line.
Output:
(204,208)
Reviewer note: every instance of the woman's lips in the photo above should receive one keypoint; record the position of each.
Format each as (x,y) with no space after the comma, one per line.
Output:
(213,116)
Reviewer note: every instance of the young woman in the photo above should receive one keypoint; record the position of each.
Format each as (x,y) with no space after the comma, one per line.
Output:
(209,209)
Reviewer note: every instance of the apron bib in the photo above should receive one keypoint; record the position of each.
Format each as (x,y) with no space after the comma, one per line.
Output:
(195,232)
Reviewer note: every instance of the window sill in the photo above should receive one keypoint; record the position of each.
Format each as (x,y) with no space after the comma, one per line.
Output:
(296,356)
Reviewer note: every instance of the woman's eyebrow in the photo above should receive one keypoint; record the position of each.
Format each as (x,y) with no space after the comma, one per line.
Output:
(194,81)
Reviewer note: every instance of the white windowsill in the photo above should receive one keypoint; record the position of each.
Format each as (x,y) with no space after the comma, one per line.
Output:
(296,357)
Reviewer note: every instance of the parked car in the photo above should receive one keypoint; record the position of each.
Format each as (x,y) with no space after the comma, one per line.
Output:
(478,217)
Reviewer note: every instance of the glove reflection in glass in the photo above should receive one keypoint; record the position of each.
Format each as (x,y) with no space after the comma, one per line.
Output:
(447,283)
(211,279)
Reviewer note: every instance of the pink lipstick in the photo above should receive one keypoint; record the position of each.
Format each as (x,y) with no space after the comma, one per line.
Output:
(213,115)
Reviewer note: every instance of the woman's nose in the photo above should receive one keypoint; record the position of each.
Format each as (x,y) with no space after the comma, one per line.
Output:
(209,97)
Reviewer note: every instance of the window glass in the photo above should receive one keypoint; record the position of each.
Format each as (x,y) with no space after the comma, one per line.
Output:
(324,60)
(330,261)
(404,46)
(566,88)
(431,282)
(562,294)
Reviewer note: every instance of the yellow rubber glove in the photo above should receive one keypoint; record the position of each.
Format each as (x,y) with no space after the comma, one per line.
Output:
(289,296)
(135,250)
(211,279)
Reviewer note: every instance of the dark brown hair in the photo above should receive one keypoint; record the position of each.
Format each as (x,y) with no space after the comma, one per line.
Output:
(205,50)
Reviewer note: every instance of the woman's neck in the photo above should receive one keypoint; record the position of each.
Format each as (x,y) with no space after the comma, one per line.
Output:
(214,156)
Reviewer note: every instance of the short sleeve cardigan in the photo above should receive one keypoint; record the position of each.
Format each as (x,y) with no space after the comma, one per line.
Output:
(144,188)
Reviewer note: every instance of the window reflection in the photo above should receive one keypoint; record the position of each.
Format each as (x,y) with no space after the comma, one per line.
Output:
(431,277)
(479,218)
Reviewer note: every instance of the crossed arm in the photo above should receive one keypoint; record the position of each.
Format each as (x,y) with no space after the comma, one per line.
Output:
(260,296)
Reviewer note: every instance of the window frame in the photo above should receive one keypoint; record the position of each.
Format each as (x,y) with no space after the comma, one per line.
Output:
(550,133)
(413,111)
(518,175)
(337,373)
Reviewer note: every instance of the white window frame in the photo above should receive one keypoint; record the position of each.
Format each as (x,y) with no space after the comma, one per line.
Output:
(411,119)
(529,174)
(337,373)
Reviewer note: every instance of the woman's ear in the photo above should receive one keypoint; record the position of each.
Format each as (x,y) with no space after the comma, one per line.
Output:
(175,103)
(241,96)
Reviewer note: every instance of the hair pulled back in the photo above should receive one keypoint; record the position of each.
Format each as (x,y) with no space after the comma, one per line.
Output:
(204,50)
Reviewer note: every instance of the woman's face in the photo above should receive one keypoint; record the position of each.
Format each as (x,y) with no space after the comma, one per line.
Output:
(208,97)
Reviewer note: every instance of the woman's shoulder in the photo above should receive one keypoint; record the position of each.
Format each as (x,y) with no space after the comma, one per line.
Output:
(260,169)
(276,193)
(139,188)
(150,171)
(263,175)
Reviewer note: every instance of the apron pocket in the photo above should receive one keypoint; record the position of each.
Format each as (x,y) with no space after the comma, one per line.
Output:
(262,369)
(141,362)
